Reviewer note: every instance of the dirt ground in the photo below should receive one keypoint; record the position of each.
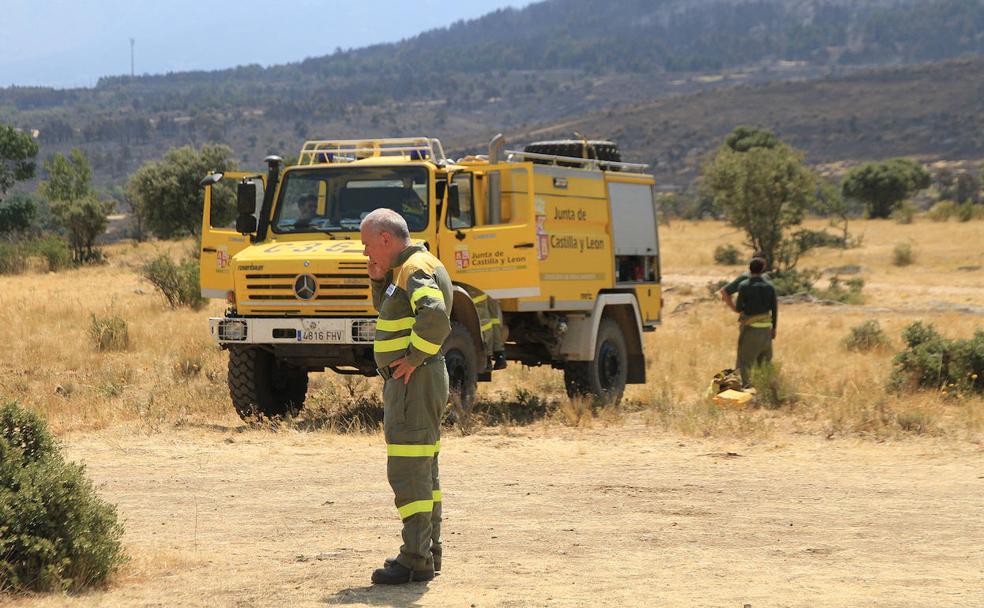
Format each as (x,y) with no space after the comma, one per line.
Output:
(618,516)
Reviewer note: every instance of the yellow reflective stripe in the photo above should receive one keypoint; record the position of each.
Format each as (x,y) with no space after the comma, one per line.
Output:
(765,325)
(394,324)
(412,451)
(437,495)
(388,346)
(423,292)
(495,321)
(487,326)
(481,298)
(423,345)
(417,506)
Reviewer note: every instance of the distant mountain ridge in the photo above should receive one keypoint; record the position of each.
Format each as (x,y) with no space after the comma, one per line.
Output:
(511,70)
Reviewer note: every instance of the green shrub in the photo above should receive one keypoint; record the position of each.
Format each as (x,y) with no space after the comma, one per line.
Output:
(56,534)
(771,387)
(903,254)
(905,213)
(969,211)
(942,211)
(12,258)
(178,283)
(26,431)
(930,360)
(109,333)
(54,250)
(866,337)
(794,281)
(848,292)
(727,255)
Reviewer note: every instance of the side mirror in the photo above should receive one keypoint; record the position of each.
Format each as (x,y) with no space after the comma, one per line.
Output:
(454,202)
(210,180)
(246,198)
(440,186)
(245,224)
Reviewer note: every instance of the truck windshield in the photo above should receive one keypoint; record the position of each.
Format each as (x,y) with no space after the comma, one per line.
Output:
(336,199)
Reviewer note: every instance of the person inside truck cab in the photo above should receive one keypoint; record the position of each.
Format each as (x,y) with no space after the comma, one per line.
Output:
(307,209)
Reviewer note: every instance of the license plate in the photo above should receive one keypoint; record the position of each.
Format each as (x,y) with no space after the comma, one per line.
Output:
(327,331)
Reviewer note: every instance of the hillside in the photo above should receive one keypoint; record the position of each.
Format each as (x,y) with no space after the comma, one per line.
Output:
(512,70)
(933,111)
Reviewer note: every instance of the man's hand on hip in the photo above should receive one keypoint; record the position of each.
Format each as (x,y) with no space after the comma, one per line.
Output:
(402,369)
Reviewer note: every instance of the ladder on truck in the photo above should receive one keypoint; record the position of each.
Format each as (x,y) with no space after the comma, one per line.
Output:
(317,152)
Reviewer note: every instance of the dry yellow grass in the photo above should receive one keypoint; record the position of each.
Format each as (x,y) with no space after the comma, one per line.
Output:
(172,373)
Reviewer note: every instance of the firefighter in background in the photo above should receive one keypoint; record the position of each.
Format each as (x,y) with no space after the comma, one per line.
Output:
(412,291)
(490,320)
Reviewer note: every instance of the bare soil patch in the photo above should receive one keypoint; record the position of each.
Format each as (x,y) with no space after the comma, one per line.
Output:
(620,516)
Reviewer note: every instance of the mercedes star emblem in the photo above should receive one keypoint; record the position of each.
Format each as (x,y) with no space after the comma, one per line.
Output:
(305,286)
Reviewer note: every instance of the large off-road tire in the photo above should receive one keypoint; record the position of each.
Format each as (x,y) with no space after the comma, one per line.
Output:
(603,378)
(260,387)
(462,363)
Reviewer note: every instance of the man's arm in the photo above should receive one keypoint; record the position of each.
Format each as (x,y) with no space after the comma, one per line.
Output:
(775,313)
(728,299)
(728,292)
(431,323)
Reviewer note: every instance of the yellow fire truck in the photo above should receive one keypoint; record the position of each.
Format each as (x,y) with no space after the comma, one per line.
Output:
(560,236)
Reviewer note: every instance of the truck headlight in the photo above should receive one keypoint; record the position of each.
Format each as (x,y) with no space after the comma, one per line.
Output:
(232,330)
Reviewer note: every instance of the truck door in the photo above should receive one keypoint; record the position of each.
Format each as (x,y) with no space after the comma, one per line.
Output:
(490,242)
(220,241)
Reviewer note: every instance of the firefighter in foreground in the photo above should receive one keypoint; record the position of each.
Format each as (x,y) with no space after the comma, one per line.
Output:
(758,316)
(412,292)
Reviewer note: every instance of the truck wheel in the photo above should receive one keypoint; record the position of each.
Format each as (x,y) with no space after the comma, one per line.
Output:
(462,363)
(259,387)
(604,377)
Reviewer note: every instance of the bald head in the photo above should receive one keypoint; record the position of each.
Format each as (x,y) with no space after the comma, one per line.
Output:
(389,221)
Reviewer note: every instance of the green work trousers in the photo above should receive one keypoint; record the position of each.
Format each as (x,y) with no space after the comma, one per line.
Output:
(412,428)
(754,347)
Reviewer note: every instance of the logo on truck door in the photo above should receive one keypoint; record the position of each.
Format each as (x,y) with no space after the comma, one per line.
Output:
(305,286)
(462,259)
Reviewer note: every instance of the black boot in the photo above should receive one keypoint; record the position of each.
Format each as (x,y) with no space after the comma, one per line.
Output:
(437,561)
(499,360)
(396,573)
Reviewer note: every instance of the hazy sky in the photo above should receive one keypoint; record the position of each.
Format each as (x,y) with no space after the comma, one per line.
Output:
(66,43)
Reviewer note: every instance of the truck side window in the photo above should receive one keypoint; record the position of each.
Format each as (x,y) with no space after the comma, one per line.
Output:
(466,216)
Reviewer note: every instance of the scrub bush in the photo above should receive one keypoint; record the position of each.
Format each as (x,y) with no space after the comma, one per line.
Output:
(12,258)
(727,255)
(865,337)
(178,283)
(903,254)
(771,388)
(56,534)
(931,360)
(54,250)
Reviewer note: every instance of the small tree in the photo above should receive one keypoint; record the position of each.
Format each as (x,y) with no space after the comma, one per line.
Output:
(74,204)
(17,154)
(17,215)
(882,186)
(166,195)
(762,190)
(86,220)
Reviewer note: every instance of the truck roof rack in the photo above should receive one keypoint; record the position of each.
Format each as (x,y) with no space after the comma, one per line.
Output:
(579,163)
(348,150)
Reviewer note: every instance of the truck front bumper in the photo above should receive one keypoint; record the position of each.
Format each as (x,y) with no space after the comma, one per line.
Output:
(234,330)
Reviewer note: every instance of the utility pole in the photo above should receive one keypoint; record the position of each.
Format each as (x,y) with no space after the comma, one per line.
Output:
(132,41)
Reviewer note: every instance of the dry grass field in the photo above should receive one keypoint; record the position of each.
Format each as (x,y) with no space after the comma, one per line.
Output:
(848,495)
